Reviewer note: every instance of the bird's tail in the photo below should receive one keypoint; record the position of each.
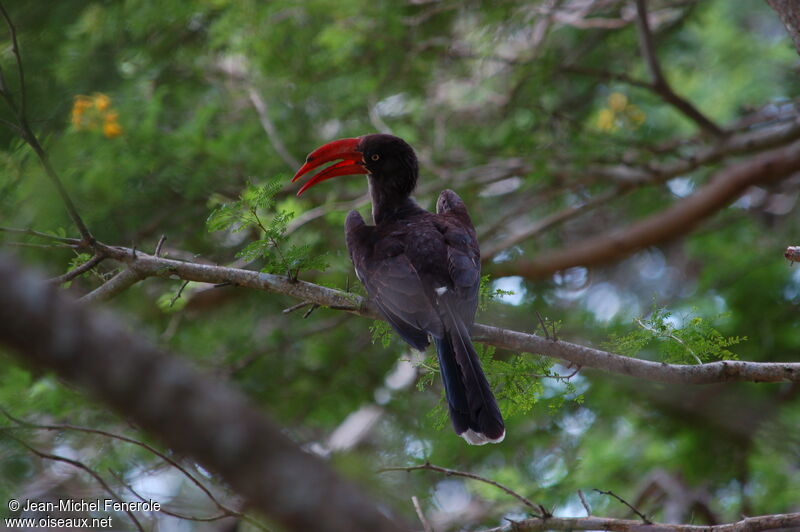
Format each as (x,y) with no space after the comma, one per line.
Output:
(472,406)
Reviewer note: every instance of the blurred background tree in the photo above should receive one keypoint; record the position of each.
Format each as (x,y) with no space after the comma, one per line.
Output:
(547,117)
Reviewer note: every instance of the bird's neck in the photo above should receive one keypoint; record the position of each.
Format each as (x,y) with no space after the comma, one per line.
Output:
(389,202)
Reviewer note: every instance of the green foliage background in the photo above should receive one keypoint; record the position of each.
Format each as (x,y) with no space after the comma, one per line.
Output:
(192,148)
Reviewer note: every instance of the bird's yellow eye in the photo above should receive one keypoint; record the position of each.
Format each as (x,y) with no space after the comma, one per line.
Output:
(375,157)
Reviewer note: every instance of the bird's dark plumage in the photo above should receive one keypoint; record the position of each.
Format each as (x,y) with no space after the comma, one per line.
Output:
(423,272)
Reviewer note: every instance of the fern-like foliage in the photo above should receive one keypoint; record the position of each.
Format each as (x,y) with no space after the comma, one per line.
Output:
(486,294)
(256,209)
(518,383)
(381,332)
(692,339)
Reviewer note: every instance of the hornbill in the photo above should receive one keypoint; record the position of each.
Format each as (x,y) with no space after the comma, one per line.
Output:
(421,269)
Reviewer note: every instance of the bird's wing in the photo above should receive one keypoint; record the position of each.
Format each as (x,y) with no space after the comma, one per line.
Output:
(463,253)
(392,282)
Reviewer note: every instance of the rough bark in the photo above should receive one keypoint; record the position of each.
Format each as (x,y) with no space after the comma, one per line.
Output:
(191,413)
(724,188)
(728,371)
(789,11)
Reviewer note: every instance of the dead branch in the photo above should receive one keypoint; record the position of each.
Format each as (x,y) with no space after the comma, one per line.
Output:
(427,466)
(417,508)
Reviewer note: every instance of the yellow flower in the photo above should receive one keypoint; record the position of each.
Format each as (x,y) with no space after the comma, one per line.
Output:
(76,117)
(82,102)
(112,129)
(79,107)
(617,101)
(636,115)
(605,120)
(89,112)
(101,101)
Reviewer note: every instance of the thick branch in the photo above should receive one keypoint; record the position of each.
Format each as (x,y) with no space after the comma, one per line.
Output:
(728,371)
(750,524)
(789,11)
(205,419)
(724,188)
(628,178)
(117,284)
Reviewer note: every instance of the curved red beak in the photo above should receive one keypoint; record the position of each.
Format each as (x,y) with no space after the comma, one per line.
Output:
(346,149)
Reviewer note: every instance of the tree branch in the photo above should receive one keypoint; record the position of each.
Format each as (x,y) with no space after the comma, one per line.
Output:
(727,371)
(749,524)
(83,268)
(628,178)
(63,427)
(660,84)
(117,284)
(427,466)
(80,465)
(205,419)
(272,132)
(30,138)
(789,12)
(724,187)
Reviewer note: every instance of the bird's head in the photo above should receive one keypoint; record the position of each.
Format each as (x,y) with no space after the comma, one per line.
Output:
(389,160)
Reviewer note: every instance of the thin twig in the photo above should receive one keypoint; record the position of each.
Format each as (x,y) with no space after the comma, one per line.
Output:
(15,50)
(660,84)
(29,136)
(43,246)
(83,268)
(608,75)
(164,510)
(671,336)
(544,325)
(642,516)
(160,244)
(125,439)
(425,524)
(269,128)
(178,295)
(562,378)
(585,504)
(84,467)
(427,466)
(298,306)
(40,234)
(311,309)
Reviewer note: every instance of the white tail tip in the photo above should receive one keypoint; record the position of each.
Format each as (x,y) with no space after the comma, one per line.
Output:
(476,438)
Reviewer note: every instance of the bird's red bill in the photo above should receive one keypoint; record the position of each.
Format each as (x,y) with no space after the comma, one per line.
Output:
(345,149)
